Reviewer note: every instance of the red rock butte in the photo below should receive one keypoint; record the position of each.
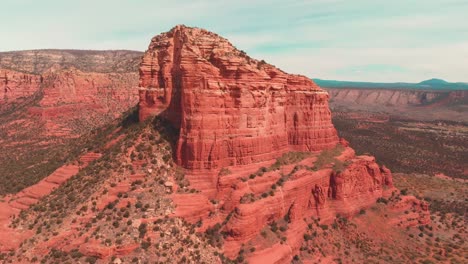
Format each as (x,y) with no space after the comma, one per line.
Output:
(236,114)
(230,109)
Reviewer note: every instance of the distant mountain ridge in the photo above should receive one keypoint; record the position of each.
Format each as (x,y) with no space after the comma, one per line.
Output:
(431,84)
(103,61)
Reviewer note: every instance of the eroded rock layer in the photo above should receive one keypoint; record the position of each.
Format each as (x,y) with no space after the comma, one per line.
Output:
(39,61)
(74,101)
(16,86)
(69,101)
(230,109)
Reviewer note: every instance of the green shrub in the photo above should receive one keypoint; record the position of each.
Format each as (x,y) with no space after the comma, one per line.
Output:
(224,171)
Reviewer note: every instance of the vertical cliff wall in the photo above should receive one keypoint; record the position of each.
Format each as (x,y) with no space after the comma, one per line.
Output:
(230,109)
(17,86)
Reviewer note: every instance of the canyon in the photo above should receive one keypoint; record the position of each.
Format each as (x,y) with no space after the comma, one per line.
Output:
(53,99)
(71,92)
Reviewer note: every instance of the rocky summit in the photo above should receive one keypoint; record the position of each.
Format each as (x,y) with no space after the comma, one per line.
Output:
(230,109)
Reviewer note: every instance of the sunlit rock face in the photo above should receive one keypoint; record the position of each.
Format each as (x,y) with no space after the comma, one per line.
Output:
(230,109)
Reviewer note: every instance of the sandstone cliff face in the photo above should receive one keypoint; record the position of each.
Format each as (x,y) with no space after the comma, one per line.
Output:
(73,91)
(304,194)
(230,109)
(234,115)
(69,101)
(17,86)
(74,101)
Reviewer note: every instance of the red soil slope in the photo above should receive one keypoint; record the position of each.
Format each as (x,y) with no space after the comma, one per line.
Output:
(11,206)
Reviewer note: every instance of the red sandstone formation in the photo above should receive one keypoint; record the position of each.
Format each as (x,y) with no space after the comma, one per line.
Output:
(17,85)
(393,97)
(39,61)
(417,212)
(70,101)
(231,109)
(98,90)
(236,113)
(321,194)
(74,100)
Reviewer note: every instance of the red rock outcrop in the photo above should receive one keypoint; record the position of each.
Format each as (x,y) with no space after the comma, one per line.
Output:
(74,101)
(236,114)
(416,212)
(17,85)
(73,91)
(230,109)
(69,101)
(319,194)
(393,97)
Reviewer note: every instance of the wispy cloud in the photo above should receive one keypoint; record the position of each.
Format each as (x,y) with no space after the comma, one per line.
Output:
(371,40)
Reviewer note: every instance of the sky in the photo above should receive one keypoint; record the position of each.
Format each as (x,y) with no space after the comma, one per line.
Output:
(355,40)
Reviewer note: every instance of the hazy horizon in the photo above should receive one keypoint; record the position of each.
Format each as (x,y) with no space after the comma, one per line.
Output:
(364,40)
